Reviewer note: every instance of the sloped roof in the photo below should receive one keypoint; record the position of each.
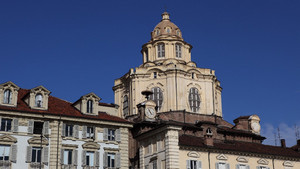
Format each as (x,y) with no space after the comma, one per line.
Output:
(238,146)
(59,107)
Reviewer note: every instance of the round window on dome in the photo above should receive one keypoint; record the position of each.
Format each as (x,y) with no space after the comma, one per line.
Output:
(178,33)
(157,32)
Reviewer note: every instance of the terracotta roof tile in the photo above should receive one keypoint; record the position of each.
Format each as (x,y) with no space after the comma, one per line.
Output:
(58,107)
(238,146)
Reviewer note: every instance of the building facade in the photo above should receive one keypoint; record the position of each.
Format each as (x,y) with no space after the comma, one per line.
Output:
(38,130)
(177,114)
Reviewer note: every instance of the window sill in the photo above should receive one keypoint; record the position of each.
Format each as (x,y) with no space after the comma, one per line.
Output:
(111,142)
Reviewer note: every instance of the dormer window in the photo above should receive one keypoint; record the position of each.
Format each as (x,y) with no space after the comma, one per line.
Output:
(157,32)
(38,100)
(89,106)
(178,50)
(209,131)
(154,75)
(161,50)
(7,96)
(168,30)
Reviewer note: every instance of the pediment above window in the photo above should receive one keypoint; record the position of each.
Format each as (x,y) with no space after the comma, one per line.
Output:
(7,139)
(9,94)
(263,161)
(91,145)
(242,159)
(38,98)
(37,141)
(193,154)
(222,157)
(88,104)
(288,164)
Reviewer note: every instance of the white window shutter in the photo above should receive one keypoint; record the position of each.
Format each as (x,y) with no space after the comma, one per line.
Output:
(199,165)
(13,153)
(105,134)
(84,130)
(62,156)
(75,157)
(227,166)
(46,128)
(45,155)
(237,166)
(30,126)
(105,159)
(118,135)
(28,154)
(83,158)
(76,131)
(248,167)
(0,121)
(97,159)
(15,125)
(118,160)
(188,164)
(63,130)
(217,165)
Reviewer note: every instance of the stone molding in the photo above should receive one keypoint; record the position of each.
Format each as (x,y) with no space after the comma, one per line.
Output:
(7,139)
(222,157)
(91,145)
(263,161)
(193,154)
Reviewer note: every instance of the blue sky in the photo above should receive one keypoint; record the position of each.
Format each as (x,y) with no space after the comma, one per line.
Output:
(77,47)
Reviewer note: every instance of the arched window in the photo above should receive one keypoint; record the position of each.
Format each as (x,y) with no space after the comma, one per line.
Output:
(7,96)
(125,106)
(178,50)
(157,97)
(161,50)
(194,99)
(209,131)
(38,100)
(89,106)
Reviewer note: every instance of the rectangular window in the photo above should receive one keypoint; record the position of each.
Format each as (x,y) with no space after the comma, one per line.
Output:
(222,166)
(161,50)
(262,167)
(38,127)
(111,160)
(4,152)
(68,157)
(69,130)
(242,166)
(36,155)
(154,164)
(90,158)
(6,125)
(90,132)
(193,164)
(111,134)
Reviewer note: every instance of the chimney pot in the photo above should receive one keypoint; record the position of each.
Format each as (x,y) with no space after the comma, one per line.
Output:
(283,145)
(298,142)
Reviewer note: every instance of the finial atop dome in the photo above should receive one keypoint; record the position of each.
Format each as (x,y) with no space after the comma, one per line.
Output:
(165,16)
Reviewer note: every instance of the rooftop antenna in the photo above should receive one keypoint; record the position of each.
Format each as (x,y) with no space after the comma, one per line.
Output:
(297,132)
(275,138)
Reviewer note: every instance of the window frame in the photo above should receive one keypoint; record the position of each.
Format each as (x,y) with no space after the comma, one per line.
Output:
(69,130)
(38,102)
(89,106)
(35,127)
(111,162)
(6,129)
(89,154)
(178,50)
(90,132)
(157,97)
(160,50)
(37,156)
(68,157)
(7,96)
(111,135)
(4,155)
(194,99)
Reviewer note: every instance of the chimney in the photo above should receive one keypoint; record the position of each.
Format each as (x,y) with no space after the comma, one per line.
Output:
(208,140)
(298,142)
(283,143)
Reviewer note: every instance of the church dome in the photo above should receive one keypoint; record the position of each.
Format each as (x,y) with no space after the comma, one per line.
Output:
(166,29)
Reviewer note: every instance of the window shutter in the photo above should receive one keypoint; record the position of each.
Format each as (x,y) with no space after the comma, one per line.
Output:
(237,166)
(188,164)
(76,131)
(62,156)
(257,167)
(247,167)
(28,154)
(118,135)
(94,136)
(227,166)
(105,134)
(75,157)
(30,126)
(118,160)
(105,159)
(63,130)
(83,158)
(15,125)
(46,128)
(45,155)
(97,158)
(84,130)
(199,165)
(0,121)
(13,153)
(217,165)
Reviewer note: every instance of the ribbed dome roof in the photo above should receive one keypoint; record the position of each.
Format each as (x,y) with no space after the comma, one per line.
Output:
(166,28)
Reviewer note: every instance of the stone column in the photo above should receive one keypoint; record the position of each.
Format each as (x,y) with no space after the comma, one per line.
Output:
(172,147)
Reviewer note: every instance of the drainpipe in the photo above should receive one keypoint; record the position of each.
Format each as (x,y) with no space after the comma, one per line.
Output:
(208,159)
